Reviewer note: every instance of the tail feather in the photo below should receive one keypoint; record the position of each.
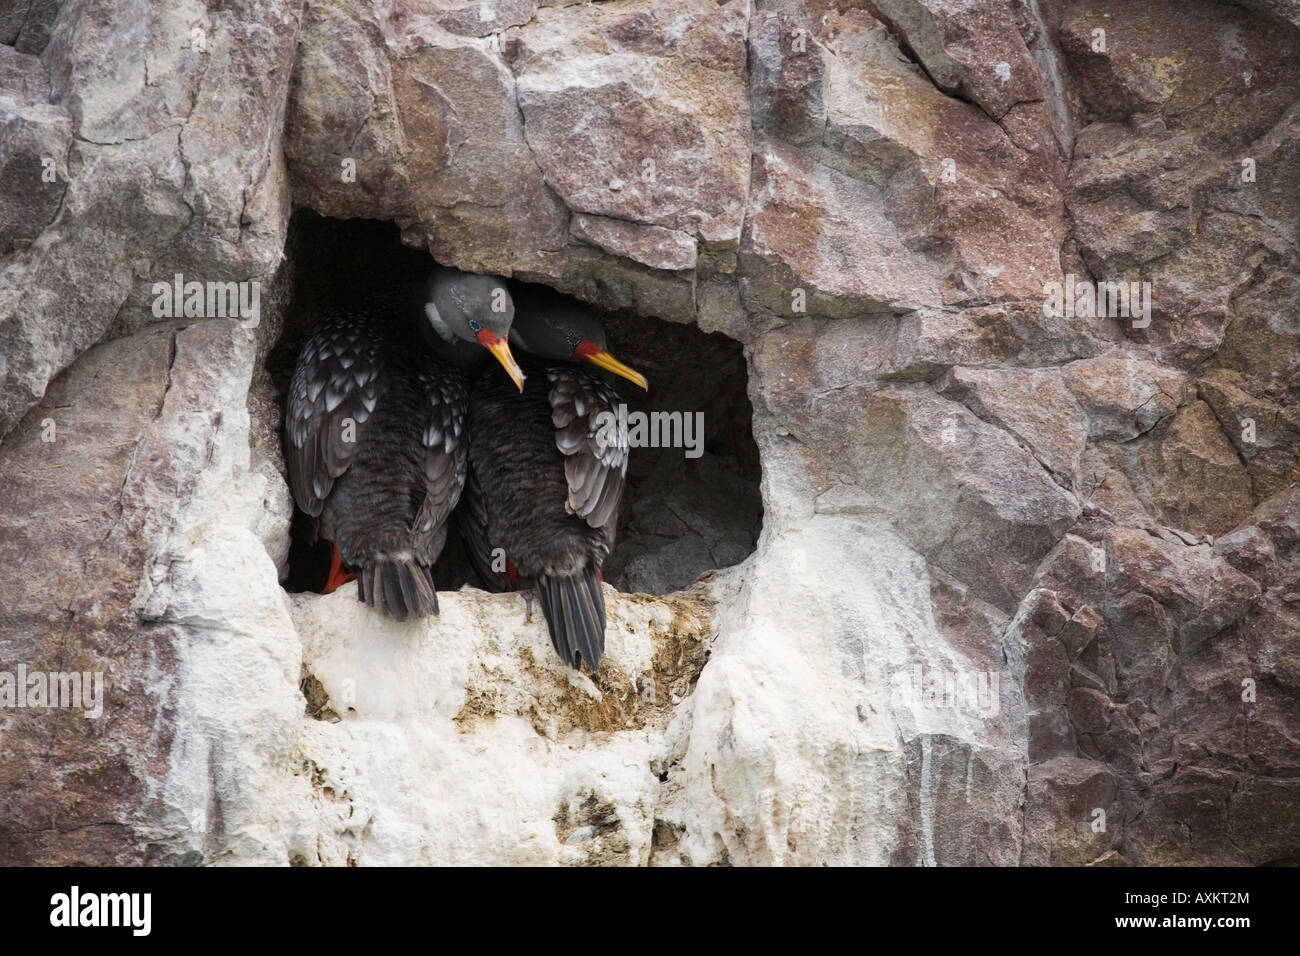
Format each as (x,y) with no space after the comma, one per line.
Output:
(397,587)
(574,607)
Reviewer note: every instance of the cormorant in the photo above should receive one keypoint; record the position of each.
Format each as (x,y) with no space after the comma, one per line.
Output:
(375,428)
(546,473)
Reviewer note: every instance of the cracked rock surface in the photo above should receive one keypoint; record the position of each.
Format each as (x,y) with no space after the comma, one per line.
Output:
(1027,589)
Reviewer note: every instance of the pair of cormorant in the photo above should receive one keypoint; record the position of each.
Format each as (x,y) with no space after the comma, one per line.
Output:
(395,409)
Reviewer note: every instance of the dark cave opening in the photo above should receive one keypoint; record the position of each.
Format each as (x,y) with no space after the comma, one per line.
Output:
(681,516)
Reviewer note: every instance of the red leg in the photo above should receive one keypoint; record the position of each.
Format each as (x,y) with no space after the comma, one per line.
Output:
(338,577)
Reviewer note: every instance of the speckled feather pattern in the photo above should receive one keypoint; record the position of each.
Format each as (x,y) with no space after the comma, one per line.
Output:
(545,490)
(384,498)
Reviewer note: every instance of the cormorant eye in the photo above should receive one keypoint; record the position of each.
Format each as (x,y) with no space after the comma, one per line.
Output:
(573,338)
(474,326)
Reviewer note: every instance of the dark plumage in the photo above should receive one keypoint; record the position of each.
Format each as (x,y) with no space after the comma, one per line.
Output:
(544,482)
(375,431)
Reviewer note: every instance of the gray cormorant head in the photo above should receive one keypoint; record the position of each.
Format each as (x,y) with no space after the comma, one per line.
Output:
(555,328)
(473,308)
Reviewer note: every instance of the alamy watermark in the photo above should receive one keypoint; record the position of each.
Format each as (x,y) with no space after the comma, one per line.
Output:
(208,300)
(130,910)
(975,692)
(624,429)
(1107,299)
(82,690)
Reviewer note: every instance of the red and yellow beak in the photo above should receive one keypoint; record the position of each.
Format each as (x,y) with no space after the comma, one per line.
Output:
(500,349)
(593,353)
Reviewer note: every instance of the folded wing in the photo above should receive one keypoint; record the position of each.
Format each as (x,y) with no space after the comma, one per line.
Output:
(336,386)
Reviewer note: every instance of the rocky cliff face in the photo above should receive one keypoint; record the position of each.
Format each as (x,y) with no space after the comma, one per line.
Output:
(1028,583)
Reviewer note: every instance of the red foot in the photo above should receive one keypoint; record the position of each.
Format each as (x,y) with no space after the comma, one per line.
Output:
(338,577)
